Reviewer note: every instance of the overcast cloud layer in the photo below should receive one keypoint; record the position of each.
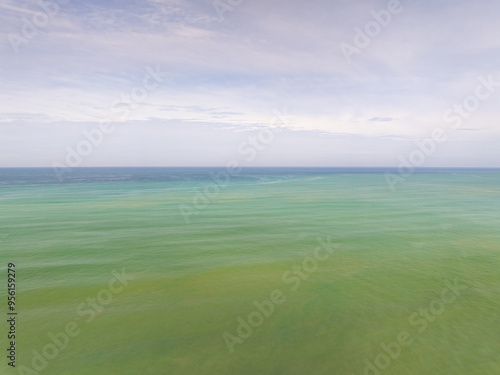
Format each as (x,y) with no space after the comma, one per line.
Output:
(221,72)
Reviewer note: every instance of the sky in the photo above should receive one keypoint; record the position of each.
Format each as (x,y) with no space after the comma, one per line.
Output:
(266,83)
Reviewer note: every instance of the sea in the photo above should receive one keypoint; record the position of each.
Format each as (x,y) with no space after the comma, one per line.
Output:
(258,271)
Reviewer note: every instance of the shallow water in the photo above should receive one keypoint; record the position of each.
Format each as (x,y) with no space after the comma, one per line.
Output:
(386,261)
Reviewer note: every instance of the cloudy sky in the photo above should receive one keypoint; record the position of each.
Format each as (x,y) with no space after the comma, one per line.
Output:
(188,82)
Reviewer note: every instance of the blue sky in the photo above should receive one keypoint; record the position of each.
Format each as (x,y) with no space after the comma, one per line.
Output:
(224,78)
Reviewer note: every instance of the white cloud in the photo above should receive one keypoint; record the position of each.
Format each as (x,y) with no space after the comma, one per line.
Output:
(265,55)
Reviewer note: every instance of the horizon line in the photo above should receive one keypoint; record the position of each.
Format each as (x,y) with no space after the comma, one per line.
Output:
(272,166)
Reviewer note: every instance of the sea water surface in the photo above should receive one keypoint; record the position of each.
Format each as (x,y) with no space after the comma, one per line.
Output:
(272,271)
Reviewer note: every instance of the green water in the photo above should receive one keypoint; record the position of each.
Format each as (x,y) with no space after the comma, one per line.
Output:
(391,254)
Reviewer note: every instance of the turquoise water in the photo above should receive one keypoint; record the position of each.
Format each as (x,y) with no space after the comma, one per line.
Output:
(383,272)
